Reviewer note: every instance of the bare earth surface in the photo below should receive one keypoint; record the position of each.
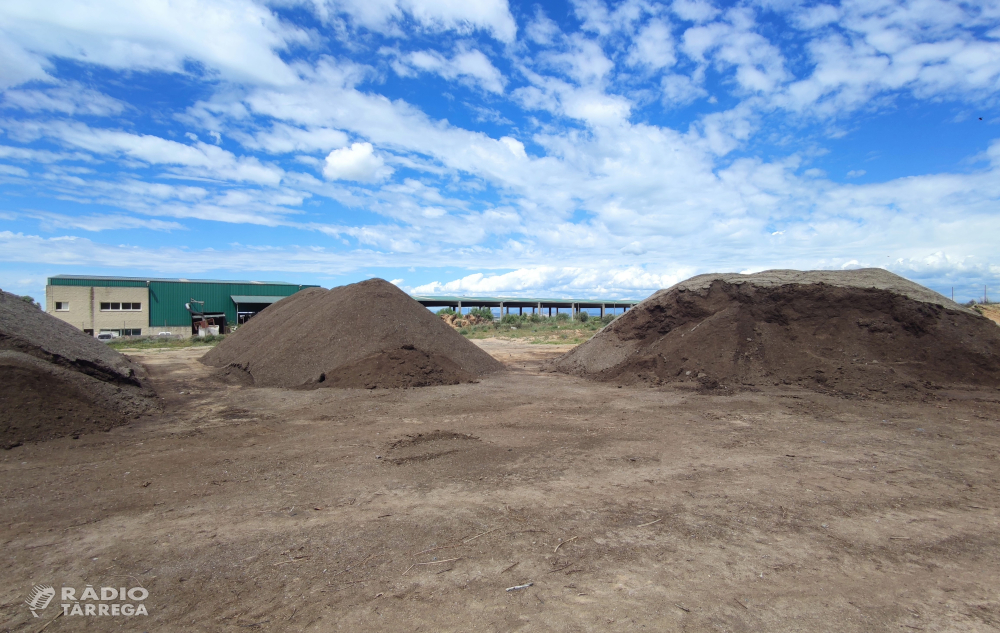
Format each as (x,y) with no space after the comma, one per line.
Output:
(626,508)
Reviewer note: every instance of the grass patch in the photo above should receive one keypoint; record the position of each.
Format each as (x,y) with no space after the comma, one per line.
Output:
(154,342)
(538,330)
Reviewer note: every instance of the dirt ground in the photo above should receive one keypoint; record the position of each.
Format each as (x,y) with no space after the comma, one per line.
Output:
(658,509)
(991,311)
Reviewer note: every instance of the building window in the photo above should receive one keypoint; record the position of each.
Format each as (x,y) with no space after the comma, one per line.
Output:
(124,332)
(62,306)
(120,307)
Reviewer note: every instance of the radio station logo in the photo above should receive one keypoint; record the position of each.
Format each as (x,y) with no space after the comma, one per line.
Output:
(103,601)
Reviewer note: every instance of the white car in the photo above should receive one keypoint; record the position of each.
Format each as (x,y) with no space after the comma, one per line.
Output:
(106,337)
(164,334)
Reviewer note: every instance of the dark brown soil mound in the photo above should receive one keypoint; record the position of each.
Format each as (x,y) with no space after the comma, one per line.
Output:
(56,381)
(370,334)
(854,332)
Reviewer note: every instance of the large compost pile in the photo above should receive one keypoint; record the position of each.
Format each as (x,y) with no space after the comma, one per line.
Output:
(56,381)
(857,331)
(367,335)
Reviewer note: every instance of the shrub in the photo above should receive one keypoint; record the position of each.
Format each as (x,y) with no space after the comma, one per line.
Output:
(608,318)
(562,316)
(444,311)
(512,319)
(482,313)
(582,316)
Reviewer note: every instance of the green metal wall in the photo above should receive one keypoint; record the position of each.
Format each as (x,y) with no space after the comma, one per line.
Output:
(167,299)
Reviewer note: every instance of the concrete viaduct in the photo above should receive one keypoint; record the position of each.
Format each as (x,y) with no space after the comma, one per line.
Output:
(506,303)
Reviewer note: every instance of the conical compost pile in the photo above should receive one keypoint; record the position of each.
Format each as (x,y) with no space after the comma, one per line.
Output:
(56,381)
(367,335)
(854,332)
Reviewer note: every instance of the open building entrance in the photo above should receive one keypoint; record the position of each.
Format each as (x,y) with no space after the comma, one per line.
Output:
(248,306)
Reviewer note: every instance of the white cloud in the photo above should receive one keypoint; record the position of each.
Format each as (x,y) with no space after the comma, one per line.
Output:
(195,160)
(584,62)
(605,283)
(469,66)
(66,251)
(653,46)
(816,16)
(694,10)
(18,66)
(283,139)
(70,98)
(11,170)
(928,49)
(237,38)
(856,173)
(541,29)
(357,162)
(635,248)
(386,16)
(735,43)
(100,222)
(679,90)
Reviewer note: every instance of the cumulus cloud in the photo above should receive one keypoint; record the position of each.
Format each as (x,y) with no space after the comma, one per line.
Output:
(734,42)
(357,162)
(653,46)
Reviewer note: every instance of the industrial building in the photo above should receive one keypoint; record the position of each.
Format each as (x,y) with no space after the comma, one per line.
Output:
(134,306)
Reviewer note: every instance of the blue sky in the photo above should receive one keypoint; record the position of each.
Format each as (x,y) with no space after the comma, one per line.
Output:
(576,148)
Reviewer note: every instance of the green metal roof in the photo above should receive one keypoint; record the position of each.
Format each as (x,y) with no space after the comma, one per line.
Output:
(98,278)
(257,299)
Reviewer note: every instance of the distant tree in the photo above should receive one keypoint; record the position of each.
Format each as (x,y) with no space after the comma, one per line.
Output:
(482,313)
(444,311)
(31,300)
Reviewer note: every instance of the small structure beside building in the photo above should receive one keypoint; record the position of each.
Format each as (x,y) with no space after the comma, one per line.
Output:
(135,306)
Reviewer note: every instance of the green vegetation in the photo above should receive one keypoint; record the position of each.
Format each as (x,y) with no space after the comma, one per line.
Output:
(156,342)
(482,313)
(533,328)
(444,311)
